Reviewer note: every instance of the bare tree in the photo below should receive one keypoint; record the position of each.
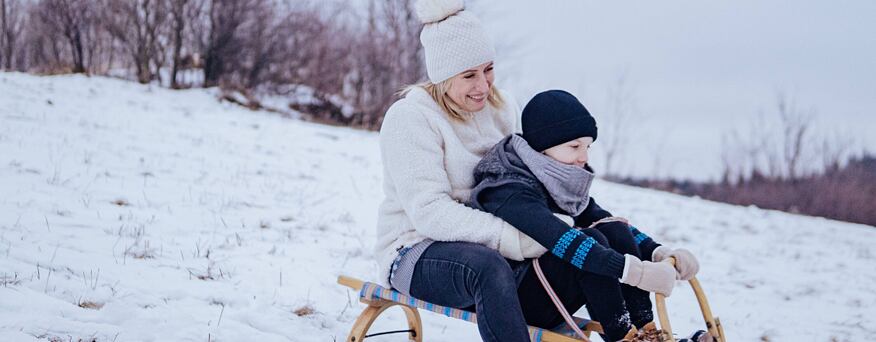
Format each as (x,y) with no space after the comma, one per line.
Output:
(730,172)
(306,32)
(136,25)
(747,151)
(622,112)
(760,148)
(4,28)
(387,58)
(835,148)
(781,146)
(188,26)
(179,10)
(224,42)
(795,124)
(349,68)
(15,22)
(43,49)
(263,44)
(11,26)
(69,19)
(101,48)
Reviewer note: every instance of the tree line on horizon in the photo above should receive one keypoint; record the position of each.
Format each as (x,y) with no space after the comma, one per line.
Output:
(784,160)
(336,63)
(343,65)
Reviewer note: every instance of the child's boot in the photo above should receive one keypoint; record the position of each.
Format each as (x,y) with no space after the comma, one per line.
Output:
(631,336)
(698,336)
(649,333)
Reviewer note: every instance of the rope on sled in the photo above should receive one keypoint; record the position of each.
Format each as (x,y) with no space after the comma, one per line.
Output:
(553,295)
(554,298)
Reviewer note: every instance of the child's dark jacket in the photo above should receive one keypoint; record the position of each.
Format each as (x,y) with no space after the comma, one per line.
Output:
(507,188)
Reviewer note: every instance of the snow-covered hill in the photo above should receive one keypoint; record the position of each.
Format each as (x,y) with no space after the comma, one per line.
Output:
(135,213)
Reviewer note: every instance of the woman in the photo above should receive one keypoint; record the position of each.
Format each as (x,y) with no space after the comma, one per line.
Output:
(430,245)
(430,142)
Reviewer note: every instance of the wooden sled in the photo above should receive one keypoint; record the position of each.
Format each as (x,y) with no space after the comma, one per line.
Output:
(713,324)
(379,299)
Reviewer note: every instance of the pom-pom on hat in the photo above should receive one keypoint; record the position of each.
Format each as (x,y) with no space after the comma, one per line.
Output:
(453,39)
(555,117)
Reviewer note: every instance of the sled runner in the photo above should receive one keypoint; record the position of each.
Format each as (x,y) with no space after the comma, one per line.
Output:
(379,299)
(713,324)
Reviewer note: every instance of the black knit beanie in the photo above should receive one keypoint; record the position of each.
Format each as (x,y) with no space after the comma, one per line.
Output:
(555,117)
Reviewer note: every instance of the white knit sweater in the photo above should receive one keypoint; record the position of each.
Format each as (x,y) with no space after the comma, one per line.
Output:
(428,162)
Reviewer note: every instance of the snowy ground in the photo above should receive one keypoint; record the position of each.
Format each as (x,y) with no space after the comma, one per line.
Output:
(134,213)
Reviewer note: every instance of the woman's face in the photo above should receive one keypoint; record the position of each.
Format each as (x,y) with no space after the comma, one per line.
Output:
(574,152)
(469,89)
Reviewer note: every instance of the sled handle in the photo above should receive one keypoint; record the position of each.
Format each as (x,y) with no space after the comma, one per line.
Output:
(712,324)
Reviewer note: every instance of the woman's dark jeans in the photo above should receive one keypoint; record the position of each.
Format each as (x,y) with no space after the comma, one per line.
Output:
(471,276)
(476,278)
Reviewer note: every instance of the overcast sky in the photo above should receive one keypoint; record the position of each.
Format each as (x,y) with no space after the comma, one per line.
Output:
(694,68)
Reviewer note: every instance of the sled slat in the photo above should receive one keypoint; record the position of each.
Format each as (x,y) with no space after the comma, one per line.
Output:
(379,299)
(350,282)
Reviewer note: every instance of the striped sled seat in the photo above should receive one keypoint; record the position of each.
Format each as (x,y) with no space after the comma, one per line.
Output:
(379,298)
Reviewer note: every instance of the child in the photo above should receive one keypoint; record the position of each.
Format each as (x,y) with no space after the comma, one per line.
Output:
(525,179)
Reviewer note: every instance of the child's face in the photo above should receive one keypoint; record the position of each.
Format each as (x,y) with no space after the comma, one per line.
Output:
(573,152)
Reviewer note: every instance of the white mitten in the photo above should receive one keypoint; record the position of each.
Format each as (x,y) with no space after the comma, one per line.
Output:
(656,277)
(530,248)
(660,253)
(685,262)
(509,243)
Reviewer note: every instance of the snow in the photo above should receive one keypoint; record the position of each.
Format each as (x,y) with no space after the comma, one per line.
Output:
(178,217)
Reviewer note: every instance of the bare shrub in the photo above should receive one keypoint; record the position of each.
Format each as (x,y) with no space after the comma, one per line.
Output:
(781,162)
(336,63)
(845,193)
(782,145)
(305,310)
(138,27)
(70,20)
(387,57)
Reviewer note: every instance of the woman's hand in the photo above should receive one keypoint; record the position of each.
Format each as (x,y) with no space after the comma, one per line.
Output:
(509,244)
(530,248)
(515,245)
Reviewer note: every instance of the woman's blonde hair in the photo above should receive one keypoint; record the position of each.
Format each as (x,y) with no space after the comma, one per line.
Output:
(439,94)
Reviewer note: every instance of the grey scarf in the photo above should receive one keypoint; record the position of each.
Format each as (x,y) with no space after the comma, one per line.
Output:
(568,185)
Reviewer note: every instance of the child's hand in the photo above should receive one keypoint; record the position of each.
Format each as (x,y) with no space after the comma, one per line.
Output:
(656,277)
(685,262)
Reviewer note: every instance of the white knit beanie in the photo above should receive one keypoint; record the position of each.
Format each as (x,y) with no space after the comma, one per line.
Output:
(453,39)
